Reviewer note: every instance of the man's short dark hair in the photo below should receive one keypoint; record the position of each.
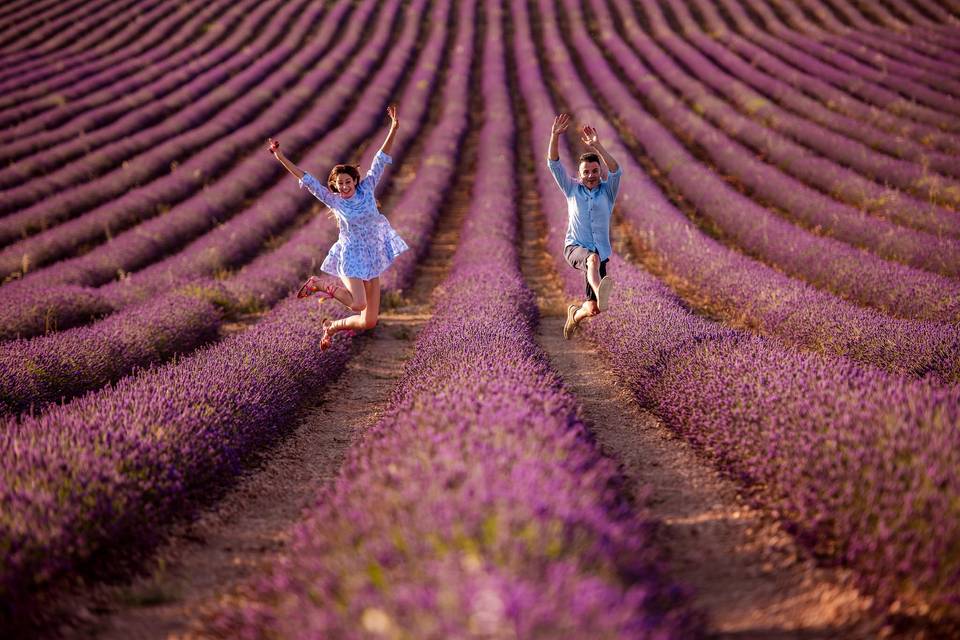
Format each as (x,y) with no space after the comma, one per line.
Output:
(589,157)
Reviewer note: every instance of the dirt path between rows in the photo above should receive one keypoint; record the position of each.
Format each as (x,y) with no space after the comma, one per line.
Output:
(749,576)
(249,527)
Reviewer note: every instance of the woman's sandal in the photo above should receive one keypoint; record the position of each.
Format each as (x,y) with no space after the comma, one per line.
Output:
(311,286)
(326,339)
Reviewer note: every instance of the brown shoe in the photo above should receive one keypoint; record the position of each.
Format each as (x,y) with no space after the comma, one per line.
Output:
(571,324)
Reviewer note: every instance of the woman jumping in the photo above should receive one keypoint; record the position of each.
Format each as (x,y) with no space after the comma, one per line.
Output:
(367,245)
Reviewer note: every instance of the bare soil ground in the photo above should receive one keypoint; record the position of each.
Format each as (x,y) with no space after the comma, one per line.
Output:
(748,575)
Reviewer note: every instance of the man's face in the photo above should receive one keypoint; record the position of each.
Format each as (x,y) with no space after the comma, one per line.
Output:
(590,174)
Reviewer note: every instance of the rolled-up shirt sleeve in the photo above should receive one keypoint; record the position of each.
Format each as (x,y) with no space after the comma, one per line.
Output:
(564,181)
(377,167)
(314,186)
(613,182)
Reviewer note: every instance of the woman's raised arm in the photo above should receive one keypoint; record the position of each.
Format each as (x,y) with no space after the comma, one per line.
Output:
(274,149)
(394,125)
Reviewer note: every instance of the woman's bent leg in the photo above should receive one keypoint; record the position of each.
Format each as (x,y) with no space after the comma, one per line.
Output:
(367,318)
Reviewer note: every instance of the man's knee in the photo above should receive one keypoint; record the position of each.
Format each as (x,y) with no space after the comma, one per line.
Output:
(593,260)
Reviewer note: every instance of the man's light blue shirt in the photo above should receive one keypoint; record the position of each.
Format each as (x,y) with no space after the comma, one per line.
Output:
(588,211)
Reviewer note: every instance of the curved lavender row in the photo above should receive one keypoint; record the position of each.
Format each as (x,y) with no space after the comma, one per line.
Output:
(236,132)
(103,39)
(21,40)
(105,472)
(109,194)
(36,372)
(872,33)
(15,10)
(843,69)
(262,283)
(184,107)
(871,93)
(826,263)
(146,242)
(74,50)
(893,44)
(92,91)
(35,312)
(459,497)
(766,415)
(792,98)
(920,37)
(944,35)
(921,250)
(875,61)
(868,46)
(59,133)
(837,100)
(95,50)
(747,290)
(838,145)
(833,152)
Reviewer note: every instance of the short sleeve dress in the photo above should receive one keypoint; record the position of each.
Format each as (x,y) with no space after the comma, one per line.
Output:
(367,245)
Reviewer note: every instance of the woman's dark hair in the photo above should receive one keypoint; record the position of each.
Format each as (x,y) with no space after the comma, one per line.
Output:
(588,157)
(351,170)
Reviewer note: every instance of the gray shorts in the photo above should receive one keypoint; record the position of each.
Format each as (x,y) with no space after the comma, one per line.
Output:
(576,257)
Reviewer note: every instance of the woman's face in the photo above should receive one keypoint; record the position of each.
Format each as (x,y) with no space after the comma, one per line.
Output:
(346,186)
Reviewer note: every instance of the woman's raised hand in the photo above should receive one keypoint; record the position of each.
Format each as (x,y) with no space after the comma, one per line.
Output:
(392,112)
(561,122)
(589,136)
(274,146)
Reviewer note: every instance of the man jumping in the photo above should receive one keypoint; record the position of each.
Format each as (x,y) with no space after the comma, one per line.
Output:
(589,206)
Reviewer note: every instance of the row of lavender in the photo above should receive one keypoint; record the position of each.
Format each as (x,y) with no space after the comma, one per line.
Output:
(114,196)
(861,465)
(40,35)
(54,86)
(147,329)
(809,151)
(848,70)
(742,290)
(922,180)
(820,61)
(305,117)
(796,73)
(103,474)
(926,70)
(829,264)
(93,117)
(477,507)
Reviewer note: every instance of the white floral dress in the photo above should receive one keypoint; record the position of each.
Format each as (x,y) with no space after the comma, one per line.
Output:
(367,245)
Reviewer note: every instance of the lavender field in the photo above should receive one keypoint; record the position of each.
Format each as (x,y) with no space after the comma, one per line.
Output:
(179,458)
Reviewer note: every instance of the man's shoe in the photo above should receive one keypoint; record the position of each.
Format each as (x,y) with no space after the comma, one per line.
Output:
(603,293)
(571,323)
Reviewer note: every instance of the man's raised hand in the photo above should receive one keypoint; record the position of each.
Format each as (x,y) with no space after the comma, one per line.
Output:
(392,112)
(560,123)
(589,136)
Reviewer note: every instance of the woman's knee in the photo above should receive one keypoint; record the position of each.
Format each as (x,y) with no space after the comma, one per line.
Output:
(358,305)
